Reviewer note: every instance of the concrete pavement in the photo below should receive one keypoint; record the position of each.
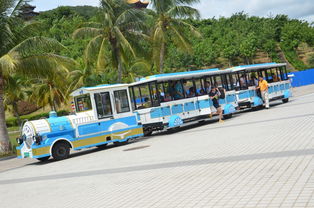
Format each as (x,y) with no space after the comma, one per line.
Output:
(257,159)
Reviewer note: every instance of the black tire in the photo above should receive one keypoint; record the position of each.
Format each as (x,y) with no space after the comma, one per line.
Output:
(43,159)
(120,143)
(228,116)
(148,132)
(102,146)
(285,100)
(61,151)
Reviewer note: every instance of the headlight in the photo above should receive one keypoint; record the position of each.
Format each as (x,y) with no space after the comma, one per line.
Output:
(37,139)
(20,140)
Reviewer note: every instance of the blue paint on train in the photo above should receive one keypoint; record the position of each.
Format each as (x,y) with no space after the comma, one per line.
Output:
(228,109)
(175,121)
(257,101)
(176,109)
(189,106)
(104,125)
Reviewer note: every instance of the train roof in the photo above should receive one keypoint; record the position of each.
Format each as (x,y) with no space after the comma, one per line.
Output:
(180,75)
(255,67)
(84,90)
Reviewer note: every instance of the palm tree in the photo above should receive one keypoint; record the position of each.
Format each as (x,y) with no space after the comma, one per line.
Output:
(169,26)
(29,57)
(14,92)
(109,47)
(50,90)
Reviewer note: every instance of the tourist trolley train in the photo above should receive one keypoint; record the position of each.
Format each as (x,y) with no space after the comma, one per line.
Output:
(116,113)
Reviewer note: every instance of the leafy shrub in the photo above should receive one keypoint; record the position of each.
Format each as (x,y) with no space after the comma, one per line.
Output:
(13,121)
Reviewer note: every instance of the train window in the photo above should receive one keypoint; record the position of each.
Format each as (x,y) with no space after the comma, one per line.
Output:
(252,79)
(83,103)
(142,96)
(167,92)
(131,90)
(207,85)
(145,96)
(121,101)
(154,94)
(161,92)
(103,105)
(189,89)
(199,87)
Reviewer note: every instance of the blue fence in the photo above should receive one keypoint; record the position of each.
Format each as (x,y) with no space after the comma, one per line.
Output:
(302,78)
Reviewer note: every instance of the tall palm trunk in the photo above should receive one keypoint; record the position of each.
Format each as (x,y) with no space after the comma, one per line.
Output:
(120,69)
(162,57)
(16,113)
(4,136)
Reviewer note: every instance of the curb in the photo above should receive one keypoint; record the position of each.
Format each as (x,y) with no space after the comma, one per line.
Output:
(7,158)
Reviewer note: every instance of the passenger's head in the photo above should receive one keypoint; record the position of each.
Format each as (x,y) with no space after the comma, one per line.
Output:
(207,84)
(260,78)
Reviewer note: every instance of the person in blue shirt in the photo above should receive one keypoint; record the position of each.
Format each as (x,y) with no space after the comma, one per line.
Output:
(179,92)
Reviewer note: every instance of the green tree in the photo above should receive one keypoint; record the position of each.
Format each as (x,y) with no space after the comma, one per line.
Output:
(15,91)
(109,47)
(22,56)
(168,27)
(248,47)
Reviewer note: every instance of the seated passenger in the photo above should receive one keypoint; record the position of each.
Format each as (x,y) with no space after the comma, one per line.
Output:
(179,92)
(207,87)
(167,97)
(192,92)
(253,81)
(275,77)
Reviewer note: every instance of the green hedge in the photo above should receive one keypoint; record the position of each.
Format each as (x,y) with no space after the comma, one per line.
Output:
(13,121)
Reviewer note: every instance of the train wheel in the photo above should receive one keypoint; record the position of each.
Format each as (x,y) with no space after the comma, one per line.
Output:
(43,159)
(102,146)
(148,132)
(120,143)
(60,151)
(285,100)
(227,116)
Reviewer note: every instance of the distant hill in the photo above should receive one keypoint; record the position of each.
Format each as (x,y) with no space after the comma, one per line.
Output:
(85,11)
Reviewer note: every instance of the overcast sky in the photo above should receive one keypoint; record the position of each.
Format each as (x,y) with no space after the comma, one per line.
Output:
(301,9)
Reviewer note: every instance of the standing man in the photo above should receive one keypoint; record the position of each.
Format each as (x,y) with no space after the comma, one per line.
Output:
(214,96)
(263,86)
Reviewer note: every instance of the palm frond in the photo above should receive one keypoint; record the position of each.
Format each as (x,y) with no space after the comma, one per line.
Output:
(124,43)
(8,63)
(87,32)
(32,66)
(17,7)
(180,41)
(191,28)
(93,48)
(131,19)
(183,12)
(36,45)
(101,56)
(187,2)
(91,24)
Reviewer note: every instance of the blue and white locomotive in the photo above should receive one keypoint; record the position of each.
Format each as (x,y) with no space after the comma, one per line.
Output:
(103,115)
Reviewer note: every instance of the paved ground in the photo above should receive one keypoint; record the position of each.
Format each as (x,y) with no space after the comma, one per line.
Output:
(257,159)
